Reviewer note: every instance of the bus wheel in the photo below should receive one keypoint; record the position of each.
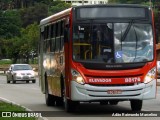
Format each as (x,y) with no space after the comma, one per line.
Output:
(59,101)
(69,105)
(50,99)
(136,105)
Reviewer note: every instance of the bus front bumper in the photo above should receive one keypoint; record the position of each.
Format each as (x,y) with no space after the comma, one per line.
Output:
(88,92)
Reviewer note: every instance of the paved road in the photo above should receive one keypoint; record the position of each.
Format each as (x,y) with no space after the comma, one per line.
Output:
(30,96)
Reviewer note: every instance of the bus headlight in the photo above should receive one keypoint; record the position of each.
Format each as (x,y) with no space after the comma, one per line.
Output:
(151,75)
(76,76)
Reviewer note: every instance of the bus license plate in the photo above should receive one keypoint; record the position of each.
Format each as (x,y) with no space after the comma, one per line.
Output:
(114,91)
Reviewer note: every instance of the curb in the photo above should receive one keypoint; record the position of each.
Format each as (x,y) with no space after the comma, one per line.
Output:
(27,109)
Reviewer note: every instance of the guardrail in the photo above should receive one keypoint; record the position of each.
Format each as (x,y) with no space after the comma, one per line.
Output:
(3,69)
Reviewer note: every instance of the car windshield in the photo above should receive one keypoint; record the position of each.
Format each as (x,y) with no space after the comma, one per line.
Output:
(22,67)
(113,42)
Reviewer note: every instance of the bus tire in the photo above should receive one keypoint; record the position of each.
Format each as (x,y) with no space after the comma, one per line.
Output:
(33,81)
(59,101)
(136,105)
(50,99)
(69,105)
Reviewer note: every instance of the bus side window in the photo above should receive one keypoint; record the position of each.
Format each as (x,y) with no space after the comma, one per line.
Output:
(48,41)
(45,39)
(62,35)
(66,33)
(57,36)
(52,37)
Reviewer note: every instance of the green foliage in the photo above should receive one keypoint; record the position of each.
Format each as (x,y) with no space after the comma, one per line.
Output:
(34,14)
(58,6)
(5,61)
(10,107)
(20,47)
(10,24)
(19,28)
(30,37)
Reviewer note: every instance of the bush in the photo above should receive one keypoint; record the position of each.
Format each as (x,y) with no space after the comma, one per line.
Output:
(5,61)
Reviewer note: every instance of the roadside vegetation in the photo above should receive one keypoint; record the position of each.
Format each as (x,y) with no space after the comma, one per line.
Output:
(5,61)
(8,107)
(19,27)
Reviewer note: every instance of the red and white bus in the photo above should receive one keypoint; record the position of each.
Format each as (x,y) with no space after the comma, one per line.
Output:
(98,53)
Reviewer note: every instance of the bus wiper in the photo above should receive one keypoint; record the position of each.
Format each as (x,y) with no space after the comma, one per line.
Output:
(126,31)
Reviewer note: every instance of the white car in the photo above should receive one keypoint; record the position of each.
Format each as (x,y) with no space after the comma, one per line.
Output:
(20,72)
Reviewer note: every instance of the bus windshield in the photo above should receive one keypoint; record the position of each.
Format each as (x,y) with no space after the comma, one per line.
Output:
(113,42)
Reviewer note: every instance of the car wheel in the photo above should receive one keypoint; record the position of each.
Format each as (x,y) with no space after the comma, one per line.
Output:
(33,81)
(136,105)
(13,80)
(8,81)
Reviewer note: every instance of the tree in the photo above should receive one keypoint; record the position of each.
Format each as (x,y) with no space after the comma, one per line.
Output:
(21,47)
(10,25)
(30,36)
(13,48)
(5,4)
(58,6)
(34,14)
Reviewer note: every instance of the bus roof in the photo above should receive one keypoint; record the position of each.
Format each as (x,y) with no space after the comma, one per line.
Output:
(113,5)
(55,16)
(67,11)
